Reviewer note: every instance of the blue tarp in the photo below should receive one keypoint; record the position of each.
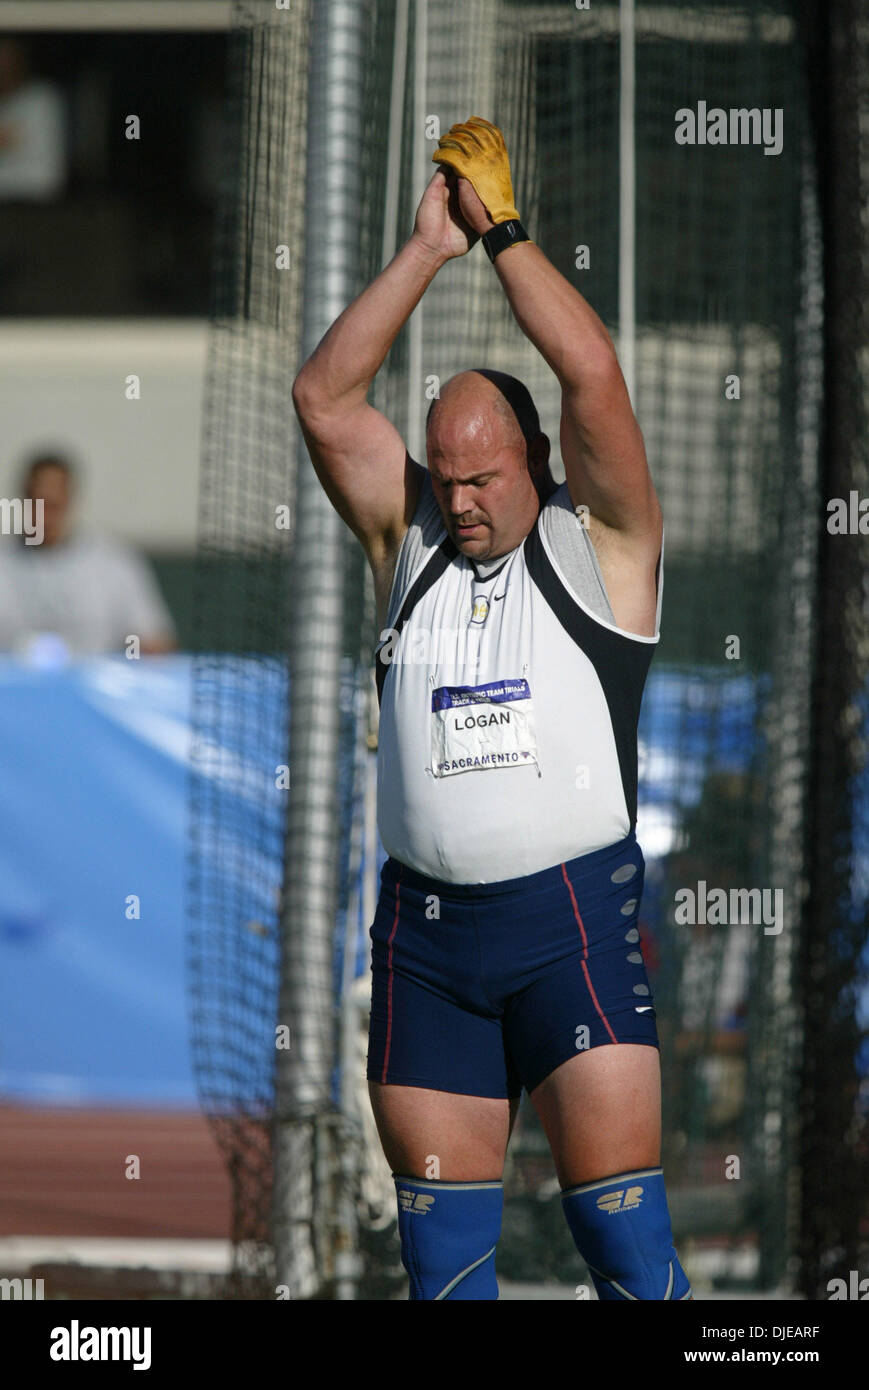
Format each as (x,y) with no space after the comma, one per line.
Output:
(94,808)
(93,805)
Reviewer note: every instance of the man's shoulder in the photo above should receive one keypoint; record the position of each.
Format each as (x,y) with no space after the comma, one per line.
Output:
(426,525)
(397,566)
(86,540)
(558,499)
(558,517)
(570,535)
(102,550)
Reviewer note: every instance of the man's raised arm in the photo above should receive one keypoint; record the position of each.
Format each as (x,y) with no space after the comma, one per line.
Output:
(601,443)
(359,456)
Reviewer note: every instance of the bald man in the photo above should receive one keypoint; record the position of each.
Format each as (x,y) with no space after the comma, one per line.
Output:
(518,620)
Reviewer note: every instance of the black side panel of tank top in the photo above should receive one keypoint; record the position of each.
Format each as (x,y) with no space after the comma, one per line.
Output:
(442,557)
(620,663)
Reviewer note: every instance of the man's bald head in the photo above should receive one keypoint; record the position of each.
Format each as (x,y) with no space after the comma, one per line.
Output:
(488,460)
(509,399)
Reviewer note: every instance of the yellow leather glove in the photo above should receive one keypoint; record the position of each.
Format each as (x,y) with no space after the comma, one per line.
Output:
(475,150)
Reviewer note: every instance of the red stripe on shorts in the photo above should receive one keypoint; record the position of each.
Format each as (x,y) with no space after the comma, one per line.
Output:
(389,985)
(588,982)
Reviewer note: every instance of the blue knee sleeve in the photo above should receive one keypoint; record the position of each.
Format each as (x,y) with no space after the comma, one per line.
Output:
(621,1226)
(448,1233)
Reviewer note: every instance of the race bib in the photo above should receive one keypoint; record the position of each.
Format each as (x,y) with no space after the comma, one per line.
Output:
(479,727)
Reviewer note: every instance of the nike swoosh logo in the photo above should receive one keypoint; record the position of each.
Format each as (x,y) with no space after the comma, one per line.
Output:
(642,1008)
(497,596)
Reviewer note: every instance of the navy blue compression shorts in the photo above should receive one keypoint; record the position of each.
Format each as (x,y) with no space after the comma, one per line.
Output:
(483,989)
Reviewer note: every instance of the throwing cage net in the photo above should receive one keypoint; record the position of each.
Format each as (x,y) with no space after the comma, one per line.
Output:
(700,174)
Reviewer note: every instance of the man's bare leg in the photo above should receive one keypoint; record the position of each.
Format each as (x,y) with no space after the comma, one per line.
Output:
(468,1135)
(447,1153)
(601,1111)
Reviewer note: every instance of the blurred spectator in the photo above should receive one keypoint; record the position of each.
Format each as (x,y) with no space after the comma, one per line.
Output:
(91,591)
(32,130)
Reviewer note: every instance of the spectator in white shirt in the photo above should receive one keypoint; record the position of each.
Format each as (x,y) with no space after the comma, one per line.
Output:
(91,591)
(33,158)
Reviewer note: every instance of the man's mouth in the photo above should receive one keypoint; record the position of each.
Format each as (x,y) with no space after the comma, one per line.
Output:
(465,530)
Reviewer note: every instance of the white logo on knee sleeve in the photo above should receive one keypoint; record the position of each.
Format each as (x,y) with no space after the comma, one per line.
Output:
(417,1202)
(624,1200)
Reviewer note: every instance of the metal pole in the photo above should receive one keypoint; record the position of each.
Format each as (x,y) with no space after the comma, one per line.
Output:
(305,1252)
(627,196)
(419,177)
(350,1135)
(396,123)
(364,895)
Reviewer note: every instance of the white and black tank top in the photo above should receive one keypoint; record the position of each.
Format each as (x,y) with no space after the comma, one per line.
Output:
(509,702)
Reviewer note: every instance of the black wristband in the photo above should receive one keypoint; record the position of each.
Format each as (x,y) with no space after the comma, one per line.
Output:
(504,234)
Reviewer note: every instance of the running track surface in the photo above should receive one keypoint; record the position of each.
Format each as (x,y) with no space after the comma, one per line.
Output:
(62,1174)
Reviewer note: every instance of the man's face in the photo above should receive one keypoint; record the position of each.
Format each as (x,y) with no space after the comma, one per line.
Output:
(477,462)
(52,485)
